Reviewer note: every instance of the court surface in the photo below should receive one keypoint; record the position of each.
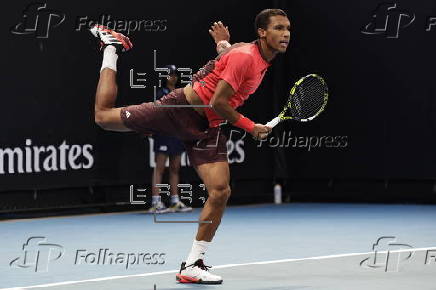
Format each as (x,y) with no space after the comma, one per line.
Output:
(289,246)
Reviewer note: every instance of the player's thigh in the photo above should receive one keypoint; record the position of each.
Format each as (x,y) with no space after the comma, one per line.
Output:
(215,176)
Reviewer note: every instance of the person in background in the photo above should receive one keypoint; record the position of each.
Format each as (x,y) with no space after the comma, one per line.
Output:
(166,147)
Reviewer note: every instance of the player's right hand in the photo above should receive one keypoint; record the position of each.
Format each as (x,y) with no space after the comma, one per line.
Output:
(260,131)
(219,32)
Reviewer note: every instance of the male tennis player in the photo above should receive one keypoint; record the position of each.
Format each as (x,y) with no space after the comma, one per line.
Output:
(223,83)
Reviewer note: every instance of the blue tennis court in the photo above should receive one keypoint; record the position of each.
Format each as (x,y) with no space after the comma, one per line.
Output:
(292,246)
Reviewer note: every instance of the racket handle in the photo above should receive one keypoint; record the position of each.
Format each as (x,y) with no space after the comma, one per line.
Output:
(273,122)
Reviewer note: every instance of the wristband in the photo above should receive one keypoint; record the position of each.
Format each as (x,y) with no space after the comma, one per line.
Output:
(244,123)
(223,44)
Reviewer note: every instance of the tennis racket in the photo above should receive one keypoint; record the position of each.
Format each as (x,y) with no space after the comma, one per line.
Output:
(307,99)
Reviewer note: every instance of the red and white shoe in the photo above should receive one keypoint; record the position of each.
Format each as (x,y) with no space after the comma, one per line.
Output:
(197,273)
(110,37)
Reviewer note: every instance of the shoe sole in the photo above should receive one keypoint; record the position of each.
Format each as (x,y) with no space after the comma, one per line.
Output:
(187,279)
(125,41)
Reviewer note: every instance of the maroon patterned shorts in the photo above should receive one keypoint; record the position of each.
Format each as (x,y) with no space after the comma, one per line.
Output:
(170,116)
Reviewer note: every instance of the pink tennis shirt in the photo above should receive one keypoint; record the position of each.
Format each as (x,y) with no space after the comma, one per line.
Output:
(241,66)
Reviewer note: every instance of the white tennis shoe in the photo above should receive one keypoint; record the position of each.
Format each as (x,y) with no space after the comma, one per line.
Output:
(197,273)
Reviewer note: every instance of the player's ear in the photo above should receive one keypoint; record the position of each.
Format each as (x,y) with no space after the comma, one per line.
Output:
(261,32)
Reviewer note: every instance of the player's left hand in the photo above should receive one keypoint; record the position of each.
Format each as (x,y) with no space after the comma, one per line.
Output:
(219,32)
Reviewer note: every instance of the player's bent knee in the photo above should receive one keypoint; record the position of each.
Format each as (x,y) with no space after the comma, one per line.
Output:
(219,196)
(103,119)
(99,119)
(110,119)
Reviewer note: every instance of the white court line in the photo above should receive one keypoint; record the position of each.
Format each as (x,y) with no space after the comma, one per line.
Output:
(215,267)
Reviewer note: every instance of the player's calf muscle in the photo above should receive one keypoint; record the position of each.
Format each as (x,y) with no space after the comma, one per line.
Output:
(106,93)
(106,116)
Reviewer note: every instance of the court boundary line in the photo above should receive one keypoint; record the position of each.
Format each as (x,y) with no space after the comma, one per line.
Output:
(215,267)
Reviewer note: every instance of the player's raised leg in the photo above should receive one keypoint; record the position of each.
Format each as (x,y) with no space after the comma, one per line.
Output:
(112,44)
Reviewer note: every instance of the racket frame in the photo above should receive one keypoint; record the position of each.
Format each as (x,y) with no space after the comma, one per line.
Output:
(282,117)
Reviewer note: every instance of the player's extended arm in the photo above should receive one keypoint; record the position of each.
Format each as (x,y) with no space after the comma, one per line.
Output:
(221,36)
(220,104)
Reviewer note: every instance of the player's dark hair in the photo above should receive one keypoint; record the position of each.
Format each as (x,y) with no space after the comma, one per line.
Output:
(262,19)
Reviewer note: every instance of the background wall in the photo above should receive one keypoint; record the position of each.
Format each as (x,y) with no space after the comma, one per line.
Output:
(379,124)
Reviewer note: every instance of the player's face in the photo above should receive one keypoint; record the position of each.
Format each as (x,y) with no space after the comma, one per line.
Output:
(278,33)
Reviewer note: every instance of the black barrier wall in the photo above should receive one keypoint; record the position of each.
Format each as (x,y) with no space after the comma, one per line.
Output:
(377,58)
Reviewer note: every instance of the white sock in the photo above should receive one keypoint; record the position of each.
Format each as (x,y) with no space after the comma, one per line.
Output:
(175,198)
(155,199)
(198,250)
(109,58)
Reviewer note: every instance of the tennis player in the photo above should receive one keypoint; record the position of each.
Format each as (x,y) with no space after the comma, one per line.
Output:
(224,84)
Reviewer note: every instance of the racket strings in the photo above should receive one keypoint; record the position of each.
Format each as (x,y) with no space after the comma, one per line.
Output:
(308,98)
